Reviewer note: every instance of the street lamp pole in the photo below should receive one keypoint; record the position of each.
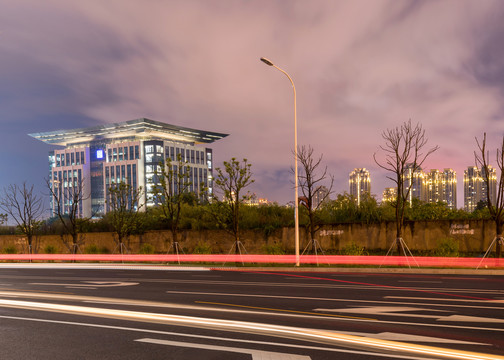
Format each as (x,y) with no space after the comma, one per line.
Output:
(296,195)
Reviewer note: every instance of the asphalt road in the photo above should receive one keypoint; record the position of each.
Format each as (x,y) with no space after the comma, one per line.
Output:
(199,314)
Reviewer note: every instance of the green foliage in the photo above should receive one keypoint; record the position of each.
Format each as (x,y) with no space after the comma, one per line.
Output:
(94,249)
(146,248)
(345,209)
(202,248)
(50,249)
(10,249)
(198,217)
(352,249)
(230,183)
(267,217)
(124,217)
(274,249)
(447,247)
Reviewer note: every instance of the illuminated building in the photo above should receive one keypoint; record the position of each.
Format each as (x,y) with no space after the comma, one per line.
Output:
(320,196)
(128,152)
(389,194)
(441,186)
(255,201)
(449,188)
(432,187)
(415,181)
(475,189)
(360,183)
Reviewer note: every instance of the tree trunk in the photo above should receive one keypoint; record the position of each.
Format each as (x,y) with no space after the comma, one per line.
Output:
(29,239)
(499,240)
(174,236)
(399,227)
(74,243)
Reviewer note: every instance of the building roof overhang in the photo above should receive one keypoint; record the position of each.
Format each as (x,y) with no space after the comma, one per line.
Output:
(139,128)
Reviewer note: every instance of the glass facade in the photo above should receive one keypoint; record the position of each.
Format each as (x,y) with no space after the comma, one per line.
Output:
(133,152)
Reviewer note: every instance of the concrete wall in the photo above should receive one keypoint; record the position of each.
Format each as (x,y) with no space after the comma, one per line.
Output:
(472,236)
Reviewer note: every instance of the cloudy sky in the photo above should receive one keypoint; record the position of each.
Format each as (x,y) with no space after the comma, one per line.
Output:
(359,68)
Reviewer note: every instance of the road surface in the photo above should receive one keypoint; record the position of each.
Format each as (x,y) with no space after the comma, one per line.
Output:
(128,313)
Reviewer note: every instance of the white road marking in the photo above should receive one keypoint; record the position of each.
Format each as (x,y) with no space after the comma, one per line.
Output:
(446,299)
(463,318)
(413,338)
(343,300)
(179,334)
(256,354)
(388,309)
(337,285)
(399,311)
(90,284)
(383,310)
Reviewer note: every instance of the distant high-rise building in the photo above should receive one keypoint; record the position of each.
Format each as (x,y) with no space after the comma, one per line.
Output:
(389,194)
(433,186)
(415,179)
(492,191)
(360,183)
(441,186)
(449,188)
(472,188)
(475,189)
(320,196)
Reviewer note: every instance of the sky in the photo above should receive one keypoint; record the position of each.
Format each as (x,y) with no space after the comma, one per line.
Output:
(360,67)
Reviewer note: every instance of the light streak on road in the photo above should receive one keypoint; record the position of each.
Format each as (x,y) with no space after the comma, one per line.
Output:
(423,261)
(371,284)
(144,303)
(214,338)
(285,310)
(313,335)
(404,299)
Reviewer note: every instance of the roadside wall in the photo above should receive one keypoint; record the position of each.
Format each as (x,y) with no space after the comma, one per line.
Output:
(472,236)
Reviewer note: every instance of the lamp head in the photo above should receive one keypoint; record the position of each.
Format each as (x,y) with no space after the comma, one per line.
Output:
(266,61)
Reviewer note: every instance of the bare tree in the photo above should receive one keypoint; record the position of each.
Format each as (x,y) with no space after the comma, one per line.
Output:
(230,183)
(67,205)
(173,184)
(3,219)
(311,179)
(405,152)
(495,207)
(25,208)
(124,203)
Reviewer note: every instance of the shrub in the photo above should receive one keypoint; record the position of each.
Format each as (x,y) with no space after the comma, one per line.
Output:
(146,248)
(94,249)
(91,249)
(352,249)
(10,249)
(447,247)
(202,248)
(51,249)
(275,249)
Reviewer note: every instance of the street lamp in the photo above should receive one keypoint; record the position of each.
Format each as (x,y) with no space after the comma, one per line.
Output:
(296,204)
